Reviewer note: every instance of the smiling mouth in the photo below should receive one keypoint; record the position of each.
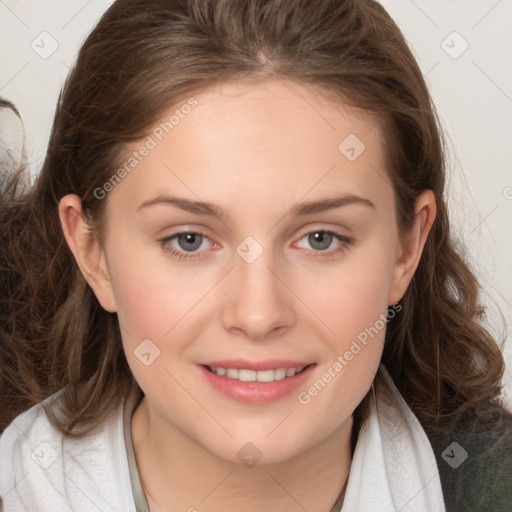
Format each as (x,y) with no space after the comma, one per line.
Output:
(264,376)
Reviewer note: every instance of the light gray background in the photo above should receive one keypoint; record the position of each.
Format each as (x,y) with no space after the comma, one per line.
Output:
(472,90)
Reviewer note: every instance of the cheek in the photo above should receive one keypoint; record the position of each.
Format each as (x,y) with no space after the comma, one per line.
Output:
(350,296)
(145,305)
(152,293)
(351,300)
(156,315)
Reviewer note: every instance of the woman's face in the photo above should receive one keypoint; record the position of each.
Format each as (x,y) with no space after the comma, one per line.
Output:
(291,260)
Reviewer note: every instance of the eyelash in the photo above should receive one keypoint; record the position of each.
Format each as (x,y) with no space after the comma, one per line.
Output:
(344,243)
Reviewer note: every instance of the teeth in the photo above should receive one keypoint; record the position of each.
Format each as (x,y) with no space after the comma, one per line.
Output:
(244,375)
(280,373)
(232,373)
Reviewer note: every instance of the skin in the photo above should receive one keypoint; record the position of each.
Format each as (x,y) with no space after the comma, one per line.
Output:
(255,150)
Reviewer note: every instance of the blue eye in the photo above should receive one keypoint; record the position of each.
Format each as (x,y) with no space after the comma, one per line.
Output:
(189,244)
(189,241)
(321,240)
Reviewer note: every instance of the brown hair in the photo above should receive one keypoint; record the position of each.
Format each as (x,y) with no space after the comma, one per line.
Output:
(143,57)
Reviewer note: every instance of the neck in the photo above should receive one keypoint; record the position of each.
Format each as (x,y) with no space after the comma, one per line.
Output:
(178,474)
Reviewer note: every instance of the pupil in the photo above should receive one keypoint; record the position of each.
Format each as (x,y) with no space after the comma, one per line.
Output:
(192,239)
(321,239)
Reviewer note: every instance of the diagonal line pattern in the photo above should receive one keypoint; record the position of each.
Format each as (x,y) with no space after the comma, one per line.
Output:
(198,402)
(14,76)
(76,14)
(285,490)
(383,178)
(88,497)
(200,199)
(124,328)
(424,13)
(312,187)
(19,429)
(15,485)
(492,81)
(431,69)
(216,487)
(12,12)
(301,300)
(486,14)
(199,300)
(280,423)
(407,503)
(484,219)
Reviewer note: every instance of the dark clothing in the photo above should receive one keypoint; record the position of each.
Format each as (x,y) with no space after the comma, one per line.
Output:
(482,482)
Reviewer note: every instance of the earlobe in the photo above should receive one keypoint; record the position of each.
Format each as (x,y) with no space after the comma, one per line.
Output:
(87,251)
(412,245)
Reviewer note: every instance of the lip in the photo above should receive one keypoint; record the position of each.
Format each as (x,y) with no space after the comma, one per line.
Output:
(269,364)
(257,392)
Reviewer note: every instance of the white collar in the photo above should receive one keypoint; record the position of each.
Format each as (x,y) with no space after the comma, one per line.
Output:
(393,467)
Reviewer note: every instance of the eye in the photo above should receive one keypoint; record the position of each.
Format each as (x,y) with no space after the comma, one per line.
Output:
(188,244)
(185,245)
(322,241)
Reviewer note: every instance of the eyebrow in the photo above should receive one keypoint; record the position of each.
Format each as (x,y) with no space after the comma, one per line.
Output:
(301,209)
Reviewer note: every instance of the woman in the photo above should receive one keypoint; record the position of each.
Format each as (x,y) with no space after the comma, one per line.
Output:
(241,289)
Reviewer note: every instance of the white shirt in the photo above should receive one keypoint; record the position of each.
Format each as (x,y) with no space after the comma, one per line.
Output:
(41,471)
(393,467)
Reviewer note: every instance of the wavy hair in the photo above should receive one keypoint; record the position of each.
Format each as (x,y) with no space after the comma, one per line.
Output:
(143,57)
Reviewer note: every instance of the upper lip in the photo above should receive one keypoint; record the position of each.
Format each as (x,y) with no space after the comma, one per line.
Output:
(269,364)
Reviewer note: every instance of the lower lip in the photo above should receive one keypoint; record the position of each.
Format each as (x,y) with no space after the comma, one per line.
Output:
(256,392)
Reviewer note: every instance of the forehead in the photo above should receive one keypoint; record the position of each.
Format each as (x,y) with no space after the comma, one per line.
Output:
(274,140)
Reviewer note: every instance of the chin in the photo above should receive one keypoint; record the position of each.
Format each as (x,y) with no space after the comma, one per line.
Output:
(260,450)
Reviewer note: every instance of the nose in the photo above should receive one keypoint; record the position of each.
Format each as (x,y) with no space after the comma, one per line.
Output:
(257,304)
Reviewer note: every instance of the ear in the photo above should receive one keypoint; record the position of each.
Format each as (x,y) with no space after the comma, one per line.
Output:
(411,246)
(87,251)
